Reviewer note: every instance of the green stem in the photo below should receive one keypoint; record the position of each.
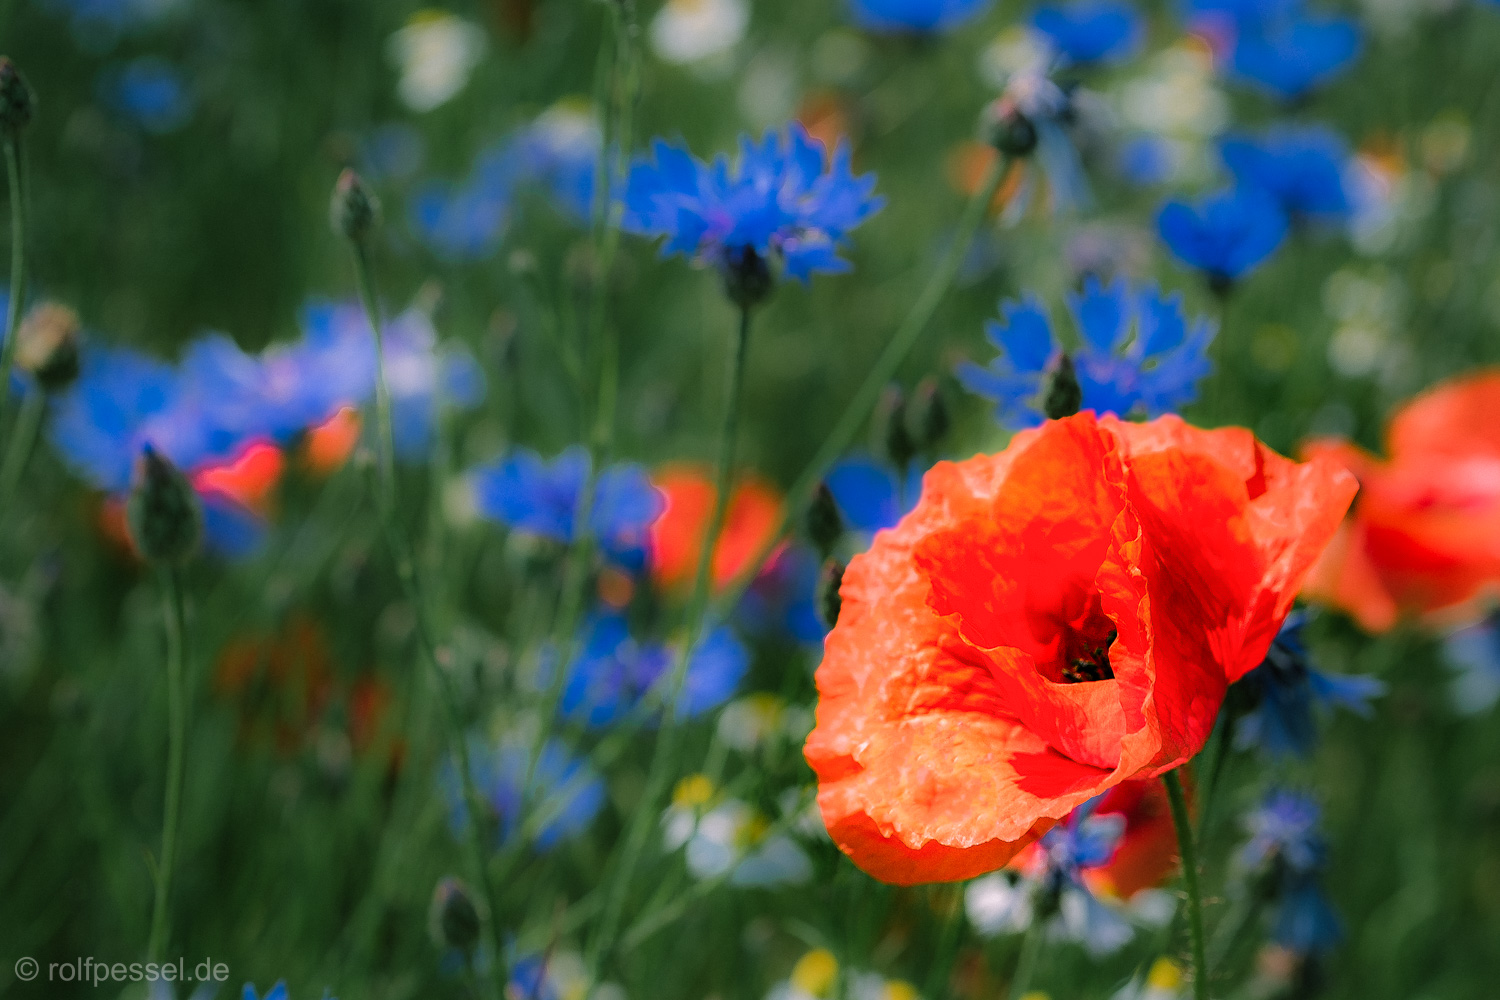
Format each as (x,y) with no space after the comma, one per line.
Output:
(18,448)
(17,265)
(1189,852)
(1031,950)
(176,737)
(618,125)
(1209,763)
(896,350)
(947,945)
(643,820)
(411,585)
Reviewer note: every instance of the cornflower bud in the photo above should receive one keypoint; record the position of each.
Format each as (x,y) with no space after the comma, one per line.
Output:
(453,919)
(1062,396)
(927,415)
(830,602)
(47,347)
(354,211)
(824,525)
(1007,129)
(899,447)
(163,513)
(17,100)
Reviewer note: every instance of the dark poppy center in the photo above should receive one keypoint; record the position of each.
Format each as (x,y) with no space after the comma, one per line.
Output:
(1087,659)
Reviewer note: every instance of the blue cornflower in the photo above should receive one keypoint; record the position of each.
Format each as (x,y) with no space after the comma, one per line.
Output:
(1090,31)
(1225,234)
(1053,888)
(465,220)
(870,494)
(614,673)
(1287,853)
(541,498)
(1036,117)
(567,793)
(1302,167)
(277,992)
(1138,353)
(1291,56)
(915,15)
(780,201)
(394,151)
(150,92)
(1284,830)
(1288,690)
(333,366)
(561,152)
(782,600)
(1475,650)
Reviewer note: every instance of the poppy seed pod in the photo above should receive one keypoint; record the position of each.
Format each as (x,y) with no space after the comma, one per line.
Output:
(354,211)
(47,347)
(1062,396)
(163,512)
(17,101)
(453,919)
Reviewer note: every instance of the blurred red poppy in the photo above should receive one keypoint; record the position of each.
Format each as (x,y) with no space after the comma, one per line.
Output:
(1424,535)
(1147,853)
(677,536)
(1047,623)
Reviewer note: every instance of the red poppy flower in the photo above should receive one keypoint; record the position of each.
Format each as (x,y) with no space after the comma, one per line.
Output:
(248,479)
(677,536)
(1424,536)
(1047,623)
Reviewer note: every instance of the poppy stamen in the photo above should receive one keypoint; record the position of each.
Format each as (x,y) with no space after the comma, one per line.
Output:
(1094,667)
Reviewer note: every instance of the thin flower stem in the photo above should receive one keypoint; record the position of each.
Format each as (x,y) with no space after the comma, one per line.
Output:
(172,611)
(618,125)
(17,264)
(896,350)
(643,820)
(18,449)
(1031,950)
(947,946)
(1189,852)
(1209,763)
(411,584)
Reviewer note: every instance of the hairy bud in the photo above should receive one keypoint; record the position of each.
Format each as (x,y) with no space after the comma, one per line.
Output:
(824,525)
(354,211)
(17,100)
(1062,396)
(47,346)
(895,437)
(165,518)
(927,415)
(453,919)
(830,602)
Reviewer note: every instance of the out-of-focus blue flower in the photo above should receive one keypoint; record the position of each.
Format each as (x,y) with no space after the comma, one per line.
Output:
(782,599)
(461,222)
(915,15)
(277,992)
(533,495)
(1138,353)
(1034,117)
(870,495)
(90,16)
(1302,167)
(1288,853)
(1284,829)
(566,792)
(334,367)
(1304,920)
(394,151)
(778,201)
(614,672)
(1145,160)
(1475,650)
(1090,31)
(1052,881)
(1225,234)
(1288,690)
(150,92)
(561,151)
(1289,57)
